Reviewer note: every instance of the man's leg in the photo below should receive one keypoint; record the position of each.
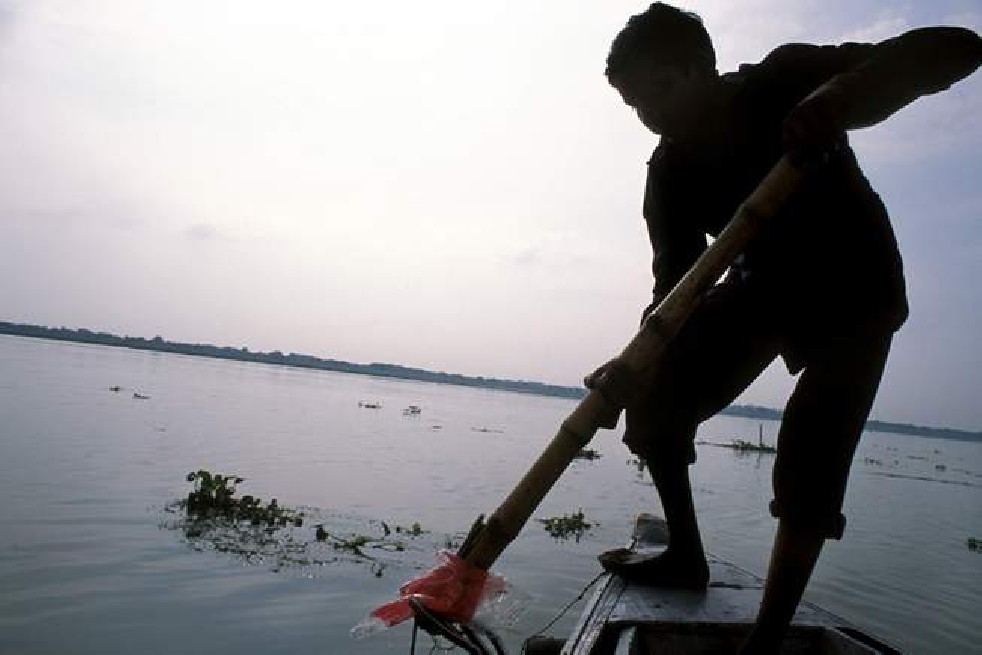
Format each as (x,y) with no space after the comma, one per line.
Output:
(793,559)
(822,425)
(683,563)
(726,343)
(685,553)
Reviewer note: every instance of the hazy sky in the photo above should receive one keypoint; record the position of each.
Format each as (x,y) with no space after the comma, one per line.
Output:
(449,185)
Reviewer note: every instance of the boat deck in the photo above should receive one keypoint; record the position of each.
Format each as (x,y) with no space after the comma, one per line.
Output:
(624,618)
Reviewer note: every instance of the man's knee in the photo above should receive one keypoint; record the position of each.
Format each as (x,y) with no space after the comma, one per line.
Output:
(661,436)
(822,426)
(822,520)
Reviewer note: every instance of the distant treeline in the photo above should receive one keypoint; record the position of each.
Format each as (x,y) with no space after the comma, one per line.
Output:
(160,344)
(768,414)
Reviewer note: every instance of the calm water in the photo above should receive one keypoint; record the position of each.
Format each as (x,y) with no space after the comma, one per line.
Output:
(88,564)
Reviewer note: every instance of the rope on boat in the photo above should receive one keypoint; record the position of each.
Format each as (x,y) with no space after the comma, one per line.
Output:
(563,611)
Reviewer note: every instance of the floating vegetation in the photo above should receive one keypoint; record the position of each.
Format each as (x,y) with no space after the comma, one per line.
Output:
(214,496)
(925,478)
(414,530)
(213,518)
(588,454)
(355,544)
(639,466)
(974,545)
(567,526)
(743,446)
(968,472)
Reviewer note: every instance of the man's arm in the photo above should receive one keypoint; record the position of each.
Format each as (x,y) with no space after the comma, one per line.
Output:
(675,242)
(891,75)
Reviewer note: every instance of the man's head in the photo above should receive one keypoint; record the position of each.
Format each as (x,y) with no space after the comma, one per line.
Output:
(659,62)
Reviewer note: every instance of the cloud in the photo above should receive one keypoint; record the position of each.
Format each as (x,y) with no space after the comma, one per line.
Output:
(527,256)
(932,127)
(882,28)
(9,10)
(204,232)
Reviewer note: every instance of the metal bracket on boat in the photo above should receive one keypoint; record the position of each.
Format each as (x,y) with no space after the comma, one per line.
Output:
(470,638)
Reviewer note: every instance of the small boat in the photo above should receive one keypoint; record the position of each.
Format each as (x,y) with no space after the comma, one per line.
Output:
(624,617)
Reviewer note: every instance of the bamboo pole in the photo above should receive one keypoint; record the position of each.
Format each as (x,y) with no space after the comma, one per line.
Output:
(601,407)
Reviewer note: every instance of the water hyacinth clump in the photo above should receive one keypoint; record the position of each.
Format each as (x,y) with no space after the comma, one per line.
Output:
(567,526)
(213,519)
(214,496)
(743,446)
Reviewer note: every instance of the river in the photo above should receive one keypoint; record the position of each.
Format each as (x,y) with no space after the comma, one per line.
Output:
(91,560)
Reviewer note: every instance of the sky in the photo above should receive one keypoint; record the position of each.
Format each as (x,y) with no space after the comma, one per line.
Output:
(440,184)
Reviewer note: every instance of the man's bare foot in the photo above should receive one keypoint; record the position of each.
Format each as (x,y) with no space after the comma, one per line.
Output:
(663,570)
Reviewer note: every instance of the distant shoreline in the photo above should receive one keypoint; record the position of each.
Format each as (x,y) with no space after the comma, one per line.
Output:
(159,344)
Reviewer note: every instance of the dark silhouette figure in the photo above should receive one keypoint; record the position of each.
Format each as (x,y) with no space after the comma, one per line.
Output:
(822,286)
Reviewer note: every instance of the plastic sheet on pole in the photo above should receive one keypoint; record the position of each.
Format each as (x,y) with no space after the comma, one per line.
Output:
(453,589)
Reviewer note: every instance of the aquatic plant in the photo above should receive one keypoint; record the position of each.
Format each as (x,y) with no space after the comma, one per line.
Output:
(974,544)
(639,466)
(743,446)
(566,526)
(214,496)
(414,530)
(214,518)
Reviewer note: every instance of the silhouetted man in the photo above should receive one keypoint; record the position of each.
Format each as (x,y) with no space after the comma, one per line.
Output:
(822,285)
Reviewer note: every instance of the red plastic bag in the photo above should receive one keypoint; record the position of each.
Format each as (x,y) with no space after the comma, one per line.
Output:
(452,588)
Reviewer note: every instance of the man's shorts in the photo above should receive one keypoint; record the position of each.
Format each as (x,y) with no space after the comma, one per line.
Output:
(732,336)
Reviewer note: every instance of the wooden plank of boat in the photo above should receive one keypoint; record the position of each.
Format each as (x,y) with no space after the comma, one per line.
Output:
(625,618)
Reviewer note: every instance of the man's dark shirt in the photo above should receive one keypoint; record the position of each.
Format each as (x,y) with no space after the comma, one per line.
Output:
(827,266)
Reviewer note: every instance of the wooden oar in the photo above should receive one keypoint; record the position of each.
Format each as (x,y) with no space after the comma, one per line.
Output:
(601,407)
